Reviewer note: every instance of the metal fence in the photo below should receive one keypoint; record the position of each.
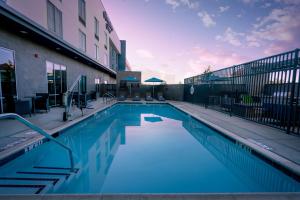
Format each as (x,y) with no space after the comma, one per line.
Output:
(265,91)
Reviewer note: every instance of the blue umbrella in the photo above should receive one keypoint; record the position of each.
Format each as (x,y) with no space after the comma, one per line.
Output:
(154,80)
(130,79)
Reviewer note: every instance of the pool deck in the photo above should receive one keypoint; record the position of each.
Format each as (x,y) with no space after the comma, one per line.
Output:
(272,143)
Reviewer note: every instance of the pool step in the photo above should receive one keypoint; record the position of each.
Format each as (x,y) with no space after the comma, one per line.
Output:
(66,175)
(21,180)
(21,189)
(38,179)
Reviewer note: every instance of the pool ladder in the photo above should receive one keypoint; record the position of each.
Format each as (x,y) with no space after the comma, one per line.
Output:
(108,97)
(26,179)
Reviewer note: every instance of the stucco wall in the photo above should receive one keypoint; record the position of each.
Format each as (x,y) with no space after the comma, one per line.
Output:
(31,60)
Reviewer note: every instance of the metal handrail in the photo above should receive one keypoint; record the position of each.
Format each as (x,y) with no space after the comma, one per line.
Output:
(42,132)
(108,94)
(70,92)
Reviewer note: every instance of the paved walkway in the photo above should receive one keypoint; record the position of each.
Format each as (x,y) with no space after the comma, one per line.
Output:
(274,140)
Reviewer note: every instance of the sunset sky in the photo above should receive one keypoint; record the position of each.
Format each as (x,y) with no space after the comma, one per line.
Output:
(175,39)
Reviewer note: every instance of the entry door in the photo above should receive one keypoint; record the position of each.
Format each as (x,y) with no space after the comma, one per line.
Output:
(57,83)
(8,91)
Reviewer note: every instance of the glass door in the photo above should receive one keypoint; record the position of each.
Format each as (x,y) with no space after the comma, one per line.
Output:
(57,82)
(8,91)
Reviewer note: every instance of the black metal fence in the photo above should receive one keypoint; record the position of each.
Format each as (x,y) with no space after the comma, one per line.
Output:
(265,91)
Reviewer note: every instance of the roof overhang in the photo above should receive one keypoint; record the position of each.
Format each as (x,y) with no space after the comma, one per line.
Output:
(19,24)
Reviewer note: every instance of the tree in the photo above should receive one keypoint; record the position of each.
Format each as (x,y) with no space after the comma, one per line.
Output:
(207,70)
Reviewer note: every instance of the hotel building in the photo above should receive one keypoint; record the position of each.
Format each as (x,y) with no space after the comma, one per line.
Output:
(46,44)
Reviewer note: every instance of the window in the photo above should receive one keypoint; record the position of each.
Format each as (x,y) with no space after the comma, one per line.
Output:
(8,90)
(81,11)
(57,82)
(96,27)
(106,40)
(54,18)
(105,60)
(96,52)
(82,41)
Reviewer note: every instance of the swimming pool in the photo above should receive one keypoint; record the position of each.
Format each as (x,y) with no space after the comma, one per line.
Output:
(143,148)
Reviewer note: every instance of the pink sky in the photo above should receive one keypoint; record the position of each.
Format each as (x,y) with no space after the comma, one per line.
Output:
(175,39)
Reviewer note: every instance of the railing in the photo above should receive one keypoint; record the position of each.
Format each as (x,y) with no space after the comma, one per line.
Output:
(42,132)
(68,97)
(266,90)
(107,97)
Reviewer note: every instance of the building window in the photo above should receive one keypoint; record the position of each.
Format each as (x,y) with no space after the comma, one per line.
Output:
(96,27)
(105,60)
(96,52)
(54,19)
(81,11)
(106,40)
(82,41)
(57,82)
(8,90)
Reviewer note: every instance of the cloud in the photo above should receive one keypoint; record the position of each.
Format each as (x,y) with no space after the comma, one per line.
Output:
(223,8)
(231,37)
(173,3)
(280,25)
(207,19)
(191,4)
(217,59)
(143,53)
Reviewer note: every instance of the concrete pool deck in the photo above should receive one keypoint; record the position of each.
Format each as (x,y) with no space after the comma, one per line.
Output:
(273,143)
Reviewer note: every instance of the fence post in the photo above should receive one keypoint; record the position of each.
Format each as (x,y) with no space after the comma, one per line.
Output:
(232,88)
(296,62)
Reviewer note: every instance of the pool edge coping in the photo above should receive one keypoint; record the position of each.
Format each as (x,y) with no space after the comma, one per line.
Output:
(166,196)
(272,156)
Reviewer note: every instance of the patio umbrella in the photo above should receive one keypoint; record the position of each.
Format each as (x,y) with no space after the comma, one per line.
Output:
(130,79)
(154,80)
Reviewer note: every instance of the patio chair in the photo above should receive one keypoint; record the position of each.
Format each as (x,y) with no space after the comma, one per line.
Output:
(136,97)
(42,101)
(160,97)
(122,97)
(148,97)
(23,107)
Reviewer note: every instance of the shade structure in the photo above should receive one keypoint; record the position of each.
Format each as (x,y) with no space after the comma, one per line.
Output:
(130,79)
(153,80)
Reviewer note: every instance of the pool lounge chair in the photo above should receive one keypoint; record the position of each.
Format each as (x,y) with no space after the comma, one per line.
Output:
(148,97)
(122,97)
(136,97)
(160,97)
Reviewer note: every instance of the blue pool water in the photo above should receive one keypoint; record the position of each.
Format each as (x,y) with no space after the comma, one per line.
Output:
(132,148)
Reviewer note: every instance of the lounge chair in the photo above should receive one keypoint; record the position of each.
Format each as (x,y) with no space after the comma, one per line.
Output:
(160,97)
(122,97)
(136,97)
(148,97)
